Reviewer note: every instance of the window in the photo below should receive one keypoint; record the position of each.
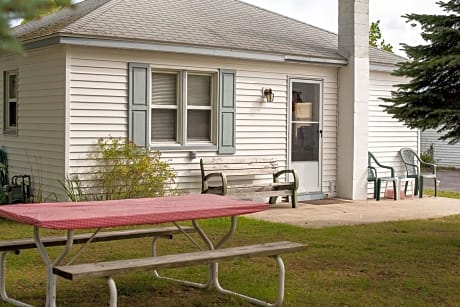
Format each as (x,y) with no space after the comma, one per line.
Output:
(11,101)
(183,108)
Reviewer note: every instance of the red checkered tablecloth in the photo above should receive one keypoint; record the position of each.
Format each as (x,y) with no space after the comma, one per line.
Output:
(112,213)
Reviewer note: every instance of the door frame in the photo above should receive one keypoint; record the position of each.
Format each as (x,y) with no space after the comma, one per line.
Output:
(316,194)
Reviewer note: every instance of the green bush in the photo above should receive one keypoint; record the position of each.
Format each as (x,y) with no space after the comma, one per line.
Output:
(123,171)
(428,155)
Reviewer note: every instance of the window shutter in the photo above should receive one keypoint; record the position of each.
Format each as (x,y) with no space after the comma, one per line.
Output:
(227,112)
(139,75)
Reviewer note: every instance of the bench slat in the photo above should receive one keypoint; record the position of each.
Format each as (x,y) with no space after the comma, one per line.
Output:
(100,237)
(236,160)
(244,172)
(109,268)
(244,178)
(260,186)
(251,195)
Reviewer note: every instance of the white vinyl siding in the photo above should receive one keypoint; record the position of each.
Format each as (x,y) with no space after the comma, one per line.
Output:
(386,134)
(99,102)
(38,147)
(444,154)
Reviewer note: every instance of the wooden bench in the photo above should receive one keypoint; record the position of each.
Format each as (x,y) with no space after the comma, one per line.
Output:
(109,268)
(230,176)
(16,245)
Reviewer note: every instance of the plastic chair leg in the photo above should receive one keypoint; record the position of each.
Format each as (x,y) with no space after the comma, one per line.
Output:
(435,188)
(420,188)
(378,183)
(395,195)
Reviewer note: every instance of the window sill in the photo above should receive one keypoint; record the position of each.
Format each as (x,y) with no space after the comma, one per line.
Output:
(184,148)
(10,132)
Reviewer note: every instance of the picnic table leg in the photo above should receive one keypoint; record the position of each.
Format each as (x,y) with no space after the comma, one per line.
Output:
(51,278)
(213,267)
(3,293)
(281,280)
(186,282)
(113,292)
(213,273)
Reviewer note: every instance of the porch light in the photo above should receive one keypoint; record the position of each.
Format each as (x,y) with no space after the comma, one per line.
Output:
(268,95)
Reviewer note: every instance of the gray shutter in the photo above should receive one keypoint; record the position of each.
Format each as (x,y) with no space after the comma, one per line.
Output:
(139,75)
(227,112)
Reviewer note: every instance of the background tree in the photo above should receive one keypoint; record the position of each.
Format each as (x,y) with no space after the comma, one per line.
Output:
(22,9)
(375,37)
(431,99)
(55,5)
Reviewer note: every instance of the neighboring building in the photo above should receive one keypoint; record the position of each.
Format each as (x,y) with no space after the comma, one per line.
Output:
(187,76)
(444,154)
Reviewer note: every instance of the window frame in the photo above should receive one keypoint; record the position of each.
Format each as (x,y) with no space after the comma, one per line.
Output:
(182,108)
(7,127)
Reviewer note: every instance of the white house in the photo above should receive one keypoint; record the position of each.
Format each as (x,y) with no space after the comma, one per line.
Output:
(187,76)
(444,154)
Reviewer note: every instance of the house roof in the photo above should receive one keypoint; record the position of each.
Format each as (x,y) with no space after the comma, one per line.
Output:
(224,24)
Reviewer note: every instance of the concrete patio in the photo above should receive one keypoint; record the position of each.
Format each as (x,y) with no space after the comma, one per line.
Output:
(335,212)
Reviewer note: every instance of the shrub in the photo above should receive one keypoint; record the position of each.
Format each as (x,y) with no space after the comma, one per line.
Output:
(123,171)
(428,155)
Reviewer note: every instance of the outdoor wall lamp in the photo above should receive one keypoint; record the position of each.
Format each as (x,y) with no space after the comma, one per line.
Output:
(268,95)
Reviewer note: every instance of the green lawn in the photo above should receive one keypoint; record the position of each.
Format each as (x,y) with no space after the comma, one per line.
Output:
(413,263)
(447,194)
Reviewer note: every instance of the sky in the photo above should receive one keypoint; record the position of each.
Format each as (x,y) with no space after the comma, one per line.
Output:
(323,14)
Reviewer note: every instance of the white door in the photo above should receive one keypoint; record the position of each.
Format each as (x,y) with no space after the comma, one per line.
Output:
(306,133)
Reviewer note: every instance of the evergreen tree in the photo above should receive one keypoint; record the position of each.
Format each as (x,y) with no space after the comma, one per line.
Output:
(431,99)
(22,9)
(375,37)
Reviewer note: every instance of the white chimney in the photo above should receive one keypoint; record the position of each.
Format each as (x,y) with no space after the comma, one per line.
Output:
(353,99)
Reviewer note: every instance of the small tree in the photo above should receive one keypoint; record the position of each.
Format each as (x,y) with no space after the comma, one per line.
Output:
(123,171)
(375,37)
(128,171)
(431,99)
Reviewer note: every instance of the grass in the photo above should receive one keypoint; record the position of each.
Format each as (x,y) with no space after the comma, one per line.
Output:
(448,194)
(413,263)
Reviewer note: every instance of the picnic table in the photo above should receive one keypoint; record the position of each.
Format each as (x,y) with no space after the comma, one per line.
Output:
(69,216)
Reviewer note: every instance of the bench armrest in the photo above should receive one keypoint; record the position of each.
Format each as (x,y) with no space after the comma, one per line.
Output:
(220,175)
(287,171)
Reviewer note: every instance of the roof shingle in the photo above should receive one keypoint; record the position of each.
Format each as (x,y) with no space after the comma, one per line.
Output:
(226,24)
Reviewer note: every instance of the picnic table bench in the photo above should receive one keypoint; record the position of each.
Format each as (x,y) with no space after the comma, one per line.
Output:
(230,176)
(109,268)
(116,213)
(16,245)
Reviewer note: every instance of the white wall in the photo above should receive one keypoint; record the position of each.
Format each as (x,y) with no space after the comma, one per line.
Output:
(97,97)
(386,135)
(99,108)
(38,147)
(353,116)
(444,154)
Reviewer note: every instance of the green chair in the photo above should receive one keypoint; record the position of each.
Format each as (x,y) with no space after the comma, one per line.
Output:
(3,168)
(413,165)
(372,175)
